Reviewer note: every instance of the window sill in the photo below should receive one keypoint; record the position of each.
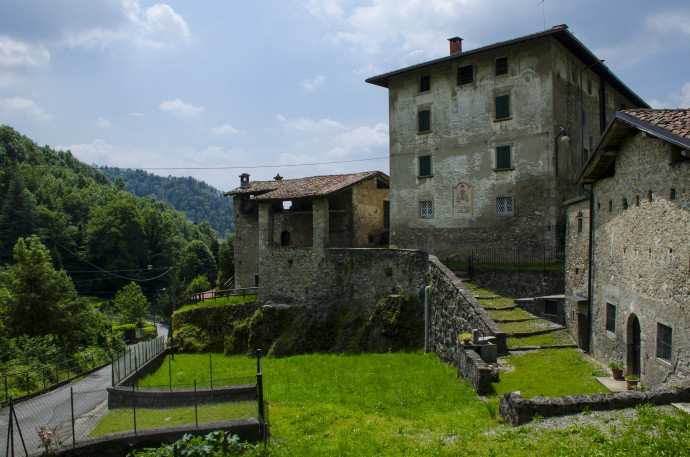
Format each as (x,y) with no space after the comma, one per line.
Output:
(426,132)
(503,119)
(666,363)
(505,215)
(504,169)
(425,176)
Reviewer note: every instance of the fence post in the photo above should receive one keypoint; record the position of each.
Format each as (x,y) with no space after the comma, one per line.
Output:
(210,367)
(134,406)
(196,412)
(260,387)
(28,391)
(112,371)
(71,399)
(170,373)
(6,393)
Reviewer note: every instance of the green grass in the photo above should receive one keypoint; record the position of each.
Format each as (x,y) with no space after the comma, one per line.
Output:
(549,373)
(219,302)
(411,404)
(122,419)
(547,339)
(186,368)
(526,326)
(515,313)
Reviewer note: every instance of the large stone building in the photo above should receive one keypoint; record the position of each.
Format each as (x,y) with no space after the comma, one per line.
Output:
(637,217)
(485,144)
(347,211)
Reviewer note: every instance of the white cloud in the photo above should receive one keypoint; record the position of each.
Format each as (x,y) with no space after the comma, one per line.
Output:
(135,114)
(102,122)
(679,99)
(362,140)
(181,109)
(225,129)
(22,107)
(15,53)
(157,27)
(671,22)
(324,9)
(304,124)
(314,83)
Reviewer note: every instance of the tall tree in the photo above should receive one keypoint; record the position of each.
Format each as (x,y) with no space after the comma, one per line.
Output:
(132,303)
(17,217)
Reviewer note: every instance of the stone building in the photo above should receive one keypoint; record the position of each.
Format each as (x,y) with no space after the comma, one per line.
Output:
(320,211)
(638,220)
(485,144)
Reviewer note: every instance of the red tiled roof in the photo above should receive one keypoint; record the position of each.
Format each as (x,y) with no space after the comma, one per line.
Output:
(311,187)
(676,121)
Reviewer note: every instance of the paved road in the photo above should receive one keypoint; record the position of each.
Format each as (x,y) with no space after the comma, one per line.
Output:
(55,409)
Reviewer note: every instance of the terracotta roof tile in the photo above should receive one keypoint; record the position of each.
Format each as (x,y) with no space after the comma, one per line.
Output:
(676,121)
(311,187)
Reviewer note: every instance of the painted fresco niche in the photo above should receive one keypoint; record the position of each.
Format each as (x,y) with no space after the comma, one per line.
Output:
(463,201)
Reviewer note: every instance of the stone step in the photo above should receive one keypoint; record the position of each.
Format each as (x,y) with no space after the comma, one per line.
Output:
(506,321)
(486,297)
(499,308)
(535,332)
(536,348)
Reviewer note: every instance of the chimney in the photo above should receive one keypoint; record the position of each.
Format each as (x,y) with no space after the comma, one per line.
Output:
(278,177)
(455,45)
(244,180)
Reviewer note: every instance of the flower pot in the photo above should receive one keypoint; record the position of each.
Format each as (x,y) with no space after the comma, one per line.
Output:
(617,374)
(631,383)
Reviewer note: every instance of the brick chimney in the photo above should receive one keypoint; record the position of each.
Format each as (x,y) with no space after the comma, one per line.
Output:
(278,177)
(244,180)
(455,45)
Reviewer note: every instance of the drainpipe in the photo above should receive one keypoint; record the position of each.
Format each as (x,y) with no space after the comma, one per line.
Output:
(427,290)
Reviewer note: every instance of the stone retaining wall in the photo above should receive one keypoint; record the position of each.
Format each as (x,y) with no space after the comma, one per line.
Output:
(122,397)
(453,311)
(517,410)
(522,283)
(472,368)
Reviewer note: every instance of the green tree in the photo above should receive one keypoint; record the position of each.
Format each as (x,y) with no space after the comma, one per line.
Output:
(226,262)
(131,303)
(37,300)
(198,285)
(17,217)
(197,259)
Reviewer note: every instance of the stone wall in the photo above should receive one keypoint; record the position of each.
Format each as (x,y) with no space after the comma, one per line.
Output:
(472,368)
(640,261)
(540,306)
(526,283)
(576,262)
(357,276)
(517,410)
(453,311)
(246,241)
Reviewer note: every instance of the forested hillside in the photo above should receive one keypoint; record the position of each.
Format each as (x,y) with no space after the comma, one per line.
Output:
(198,200)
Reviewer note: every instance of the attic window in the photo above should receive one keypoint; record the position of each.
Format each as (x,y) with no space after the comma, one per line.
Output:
(501,66)
(287,204)
(465,75)
(425,83)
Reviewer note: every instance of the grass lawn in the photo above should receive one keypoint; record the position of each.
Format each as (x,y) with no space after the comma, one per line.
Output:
(526,326)
(547,339)
(411,404)
(219,301)
(515,313)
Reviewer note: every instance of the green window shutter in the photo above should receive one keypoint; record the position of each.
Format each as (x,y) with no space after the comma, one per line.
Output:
(425,120)
(503,107)
(424,165)
(503,157)
(386,214)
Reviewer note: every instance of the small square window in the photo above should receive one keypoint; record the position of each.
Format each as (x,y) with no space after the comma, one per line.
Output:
(501,66)
(425,83)
(664,342)
(503,107)
(504,206)
(424,120)
(424,166)
(503,157)
(551,307)
(426,208)
(256,280)
(465,74)
(610,317)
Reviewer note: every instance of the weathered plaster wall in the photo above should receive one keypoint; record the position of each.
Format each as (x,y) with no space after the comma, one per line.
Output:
(357,276)
(246,241)
(367,204)
(641,257)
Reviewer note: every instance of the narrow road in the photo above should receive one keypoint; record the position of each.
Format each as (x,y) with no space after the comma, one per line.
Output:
(55,409)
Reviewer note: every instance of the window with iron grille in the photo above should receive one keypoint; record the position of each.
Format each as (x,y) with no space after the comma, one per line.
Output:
(465,74)
(503,157)
(664,339)
(501,66)
(610,317)
(425,165)
(424,120)
(425,83)
(426,208)
(504,206)
(503,107)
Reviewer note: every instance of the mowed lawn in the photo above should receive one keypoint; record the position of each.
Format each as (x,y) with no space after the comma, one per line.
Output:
(412,404)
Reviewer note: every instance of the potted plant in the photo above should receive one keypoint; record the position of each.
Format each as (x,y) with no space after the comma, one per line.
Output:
(631,380)
(616,370)
(465,338)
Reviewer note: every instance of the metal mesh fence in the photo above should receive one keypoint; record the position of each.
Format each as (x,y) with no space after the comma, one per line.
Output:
(131,359)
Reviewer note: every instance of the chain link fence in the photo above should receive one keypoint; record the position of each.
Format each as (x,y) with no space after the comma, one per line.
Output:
(131,359)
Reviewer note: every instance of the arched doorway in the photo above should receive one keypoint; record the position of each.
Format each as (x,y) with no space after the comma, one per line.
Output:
(633,346)
(285,239)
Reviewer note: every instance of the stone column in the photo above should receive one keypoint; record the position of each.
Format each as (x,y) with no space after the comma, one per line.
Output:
(320,223)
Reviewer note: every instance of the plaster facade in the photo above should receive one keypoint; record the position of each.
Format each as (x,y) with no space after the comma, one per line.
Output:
(481,161)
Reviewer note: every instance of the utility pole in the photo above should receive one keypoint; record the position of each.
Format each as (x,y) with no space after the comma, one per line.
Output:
(172,311)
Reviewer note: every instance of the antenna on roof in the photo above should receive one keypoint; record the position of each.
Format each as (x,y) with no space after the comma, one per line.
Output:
(543,12)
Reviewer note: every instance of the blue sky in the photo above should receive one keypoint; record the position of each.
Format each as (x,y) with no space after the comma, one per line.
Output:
(198,87)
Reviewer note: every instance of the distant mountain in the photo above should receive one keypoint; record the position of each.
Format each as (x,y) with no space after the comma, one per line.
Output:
(195,198)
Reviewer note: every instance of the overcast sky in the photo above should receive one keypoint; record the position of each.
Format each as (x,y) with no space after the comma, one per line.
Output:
(256,84)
